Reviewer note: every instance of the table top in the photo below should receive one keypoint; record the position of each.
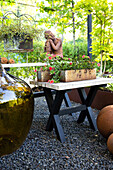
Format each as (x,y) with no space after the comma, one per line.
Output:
(23,65)
(76,84)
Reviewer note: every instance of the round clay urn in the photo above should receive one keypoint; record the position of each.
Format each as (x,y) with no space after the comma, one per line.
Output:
(16,112)
(4,60)
(105,121)
(11,61)
(110,143)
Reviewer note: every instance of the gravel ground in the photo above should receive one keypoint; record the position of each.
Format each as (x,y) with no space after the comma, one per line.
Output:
(84,148)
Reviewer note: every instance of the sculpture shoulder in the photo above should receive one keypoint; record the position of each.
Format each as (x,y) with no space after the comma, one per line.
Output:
(58,40)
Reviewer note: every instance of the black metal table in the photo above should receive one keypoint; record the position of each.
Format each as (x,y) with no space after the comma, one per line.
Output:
(54,103)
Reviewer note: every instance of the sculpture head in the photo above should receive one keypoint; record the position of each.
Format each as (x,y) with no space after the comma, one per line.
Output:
(49,35)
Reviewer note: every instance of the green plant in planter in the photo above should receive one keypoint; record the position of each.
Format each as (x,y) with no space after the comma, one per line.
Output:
(14,33)
(56,64)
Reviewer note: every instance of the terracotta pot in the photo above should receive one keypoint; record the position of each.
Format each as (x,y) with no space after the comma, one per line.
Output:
(11,61)
(4,60)
(110,143)
(104,121)
(103,98)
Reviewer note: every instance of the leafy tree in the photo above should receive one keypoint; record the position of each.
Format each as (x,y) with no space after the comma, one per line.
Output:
(102,34)
(62,15)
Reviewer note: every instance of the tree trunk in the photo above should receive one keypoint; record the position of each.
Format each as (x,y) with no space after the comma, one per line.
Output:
(101,50)
(73,20)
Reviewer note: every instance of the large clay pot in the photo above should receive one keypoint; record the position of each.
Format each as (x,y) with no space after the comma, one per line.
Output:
(16,112)
(105,121)
(110,143)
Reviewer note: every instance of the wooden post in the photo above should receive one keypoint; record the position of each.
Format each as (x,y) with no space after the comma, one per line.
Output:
(89,27)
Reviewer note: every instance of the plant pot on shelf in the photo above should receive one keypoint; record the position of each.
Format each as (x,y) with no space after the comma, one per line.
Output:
(17,43)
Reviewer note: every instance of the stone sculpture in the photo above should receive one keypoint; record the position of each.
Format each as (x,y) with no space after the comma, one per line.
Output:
(53,45)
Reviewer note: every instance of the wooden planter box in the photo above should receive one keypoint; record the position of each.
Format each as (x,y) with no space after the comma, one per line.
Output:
(68,75)
(77,75)
(43,76)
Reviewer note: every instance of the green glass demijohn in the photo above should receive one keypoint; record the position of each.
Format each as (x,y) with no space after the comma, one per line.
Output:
(16,112)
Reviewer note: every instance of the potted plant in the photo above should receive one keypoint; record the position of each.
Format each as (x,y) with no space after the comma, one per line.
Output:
(104,97)
(18,36)
(66,69)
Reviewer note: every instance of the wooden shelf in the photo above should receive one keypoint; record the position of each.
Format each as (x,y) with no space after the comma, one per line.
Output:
(19,50)
(23,65)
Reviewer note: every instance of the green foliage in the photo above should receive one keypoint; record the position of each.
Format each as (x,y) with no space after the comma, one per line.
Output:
(38,55)
(109,87)
(22,30)
(107,63)
(80,48)
(31,57)
(68,49)
(102,34)
(7,2)
(61,15)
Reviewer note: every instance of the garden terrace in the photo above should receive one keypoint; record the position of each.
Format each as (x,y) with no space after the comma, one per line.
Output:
(91,37)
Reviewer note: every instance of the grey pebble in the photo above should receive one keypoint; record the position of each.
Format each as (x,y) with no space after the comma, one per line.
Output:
(84,148)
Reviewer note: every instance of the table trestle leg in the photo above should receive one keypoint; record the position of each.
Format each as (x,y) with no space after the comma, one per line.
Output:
(54,108)
(87,100)
(49,100)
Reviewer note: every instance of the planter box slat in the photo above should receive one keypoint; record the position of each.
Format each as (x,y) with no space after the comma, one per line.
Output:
(77,75)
